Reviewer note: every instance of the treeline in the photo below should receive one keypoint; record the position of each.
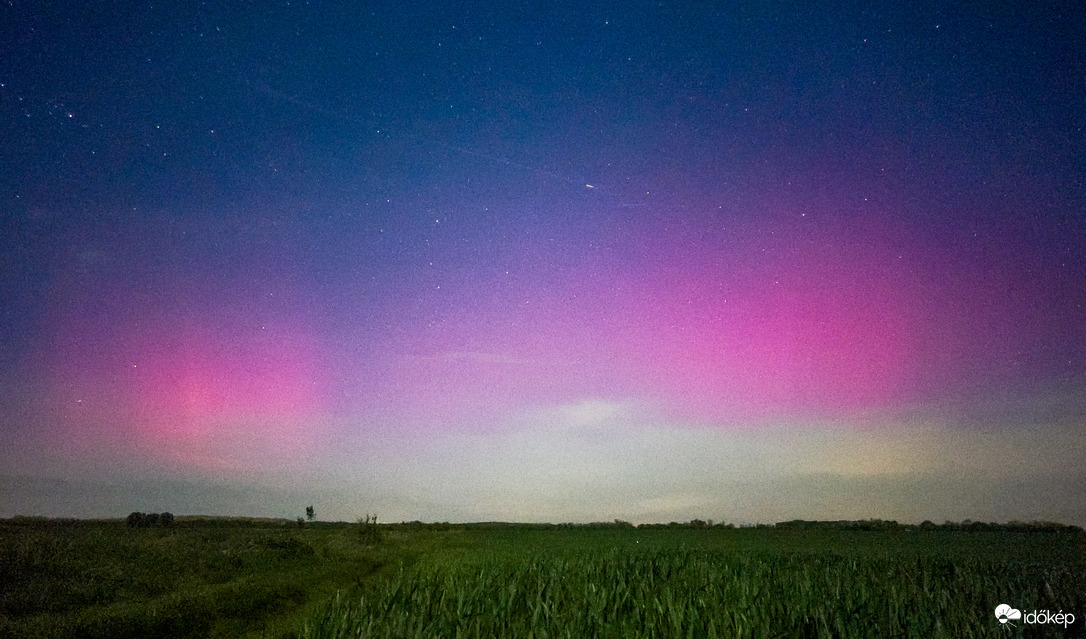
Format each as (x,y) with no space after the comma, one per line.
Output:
(966,525)
(864,524)
(797,524)
(39,521)
(149,520)
(145,520)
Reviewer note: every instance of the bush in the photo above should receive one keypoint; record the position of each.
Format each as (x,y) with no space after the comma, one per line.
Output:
(147,520)
(367,527)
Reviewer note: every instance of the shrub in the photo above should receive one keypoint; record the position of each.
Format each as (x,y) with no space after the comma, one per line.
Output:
(367,527)
(147,520)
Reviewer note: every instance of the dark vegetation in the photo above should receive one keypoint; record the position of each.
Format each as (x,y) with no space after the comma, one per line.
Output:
(147,520)
(195,577)
(368,531)
(216,577)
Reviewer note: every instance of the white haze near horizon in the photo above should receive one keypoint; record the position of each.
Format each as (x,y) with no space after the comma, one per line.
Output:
(599,460)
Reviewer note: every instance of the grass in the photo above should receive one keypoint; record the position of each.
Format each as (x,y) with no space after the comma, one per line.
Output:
(546,582)
(197,578)
(214,578)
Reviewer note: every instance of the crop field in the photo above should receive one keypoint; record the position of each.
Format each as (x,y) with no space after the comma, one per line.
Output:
(197,578)
(210,578)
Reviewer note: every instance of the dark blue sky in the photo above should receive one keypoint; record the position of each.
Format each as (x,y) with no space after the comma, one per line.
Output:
(236,231)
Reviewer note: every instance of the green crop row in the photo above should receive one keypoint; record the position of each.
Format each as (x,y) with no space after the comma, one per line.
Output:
(684,593)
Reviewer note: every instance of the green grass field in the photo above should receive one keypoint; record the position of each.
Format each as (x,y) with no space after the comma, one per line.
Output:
(260,578)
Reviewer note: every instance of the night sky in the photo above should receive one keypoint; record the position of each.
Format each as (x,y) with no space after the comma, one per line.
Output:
(557,261)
